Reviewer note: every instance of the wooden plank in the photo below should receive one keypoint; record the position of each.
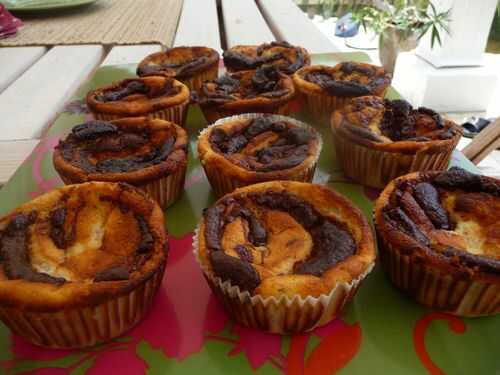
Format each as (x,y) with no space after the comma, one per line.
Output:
(289,23)
(198,25)
(12,154)
(129,54)
(33,100)
(483,143)
(15,61)
(244,24)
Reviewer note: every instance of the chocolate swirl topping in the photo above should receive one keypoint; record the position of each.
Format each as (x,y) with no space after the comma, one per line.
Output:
(181,69)
(264,82)
(289,63)
(15,245)
(385,121)
(290,145)
(401,122)
(337,87)
(98,146)
(134,87)
(14,251)
(416,210)
(332,243)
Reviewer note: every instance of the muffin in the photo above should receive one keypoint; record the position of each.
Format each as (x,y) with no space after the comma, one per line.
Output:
(155,97)
(264,90)
(287,58)
(327,88)
(81,264)
(439,239)
(150,154)
(378,140)
(246,149)
(190,65)
(284,256)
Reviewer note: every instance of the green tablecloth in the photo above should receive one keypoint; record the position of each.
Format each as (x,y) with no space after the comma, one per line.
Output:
(381,332)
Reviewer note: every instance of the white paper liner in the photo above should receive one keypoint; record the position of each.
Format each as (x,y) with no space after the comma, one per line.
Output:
(85,326)
(282,315)
(224,183)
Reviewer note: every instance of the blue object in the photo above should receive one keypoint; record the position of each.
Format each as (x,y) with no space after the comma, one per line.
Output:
(346,27)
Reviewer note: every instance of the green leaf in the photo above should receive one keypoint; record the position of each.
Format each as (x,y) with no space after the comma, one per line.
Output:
(84,367)
(157,362)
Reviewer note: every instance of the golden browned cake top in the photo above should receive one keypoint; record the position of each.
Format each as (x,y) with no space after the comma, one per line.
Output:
(346,79)
(78,244)
(285,238)
(377,121)
(449,217)
(287,58)
(261,144)
(179,62)
(131,150)
(135,96)
(266,84)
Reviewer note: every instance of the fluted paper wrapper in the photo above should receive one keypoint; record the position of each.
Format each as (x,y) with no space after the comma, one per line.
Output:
(195,82)
(176,114)
(284,315)
(168,189)
(86,326)
(223,182)
(213,114)
(376,168)
(321,106)
(436,289)
(164,190)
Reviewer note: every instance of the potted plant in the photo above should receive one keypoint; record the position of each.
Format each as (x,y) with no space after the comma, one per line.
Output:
(399,23)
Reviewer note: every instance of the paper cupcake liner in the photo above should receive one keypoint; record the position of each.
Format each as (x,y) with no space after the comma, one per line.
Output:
(321,106)
(196,82)
(284,315)
(376,168)
(168,189)
(214,114)
(436,289)
(164,190)
(224,181)
(86,326)
(176,114)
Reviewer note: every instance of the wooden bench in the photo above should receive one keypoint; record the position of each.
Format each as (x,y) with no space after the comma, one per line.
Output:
(199,25)
(244,24)
(289,23)
(483,144)
(36,82)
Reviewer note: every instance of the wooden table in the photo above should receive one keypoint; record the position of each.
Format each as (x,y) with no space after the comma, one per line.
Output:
(36,82)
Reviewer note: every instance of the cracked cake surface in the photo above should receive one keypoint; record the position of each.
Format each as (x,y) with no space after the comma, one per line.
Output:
(79,245)
(346,79)
(287,58)
(448,218)
(393,124)
(138,96)
(132,150)
(285,238)
(179,62)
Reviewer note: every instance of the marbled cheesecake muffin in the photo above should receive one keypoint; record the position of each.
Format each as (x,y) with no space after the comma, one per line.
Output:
(81,264)
(153,96)
(284,256)
(439,237)
(287,58)
(377,140)
(190,65)
(327,88)
(246,149)
(264,90)
(148,153)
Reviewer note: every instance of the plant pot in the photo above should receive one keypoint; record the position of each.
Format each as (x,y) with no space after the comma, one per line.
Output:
(392,42)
